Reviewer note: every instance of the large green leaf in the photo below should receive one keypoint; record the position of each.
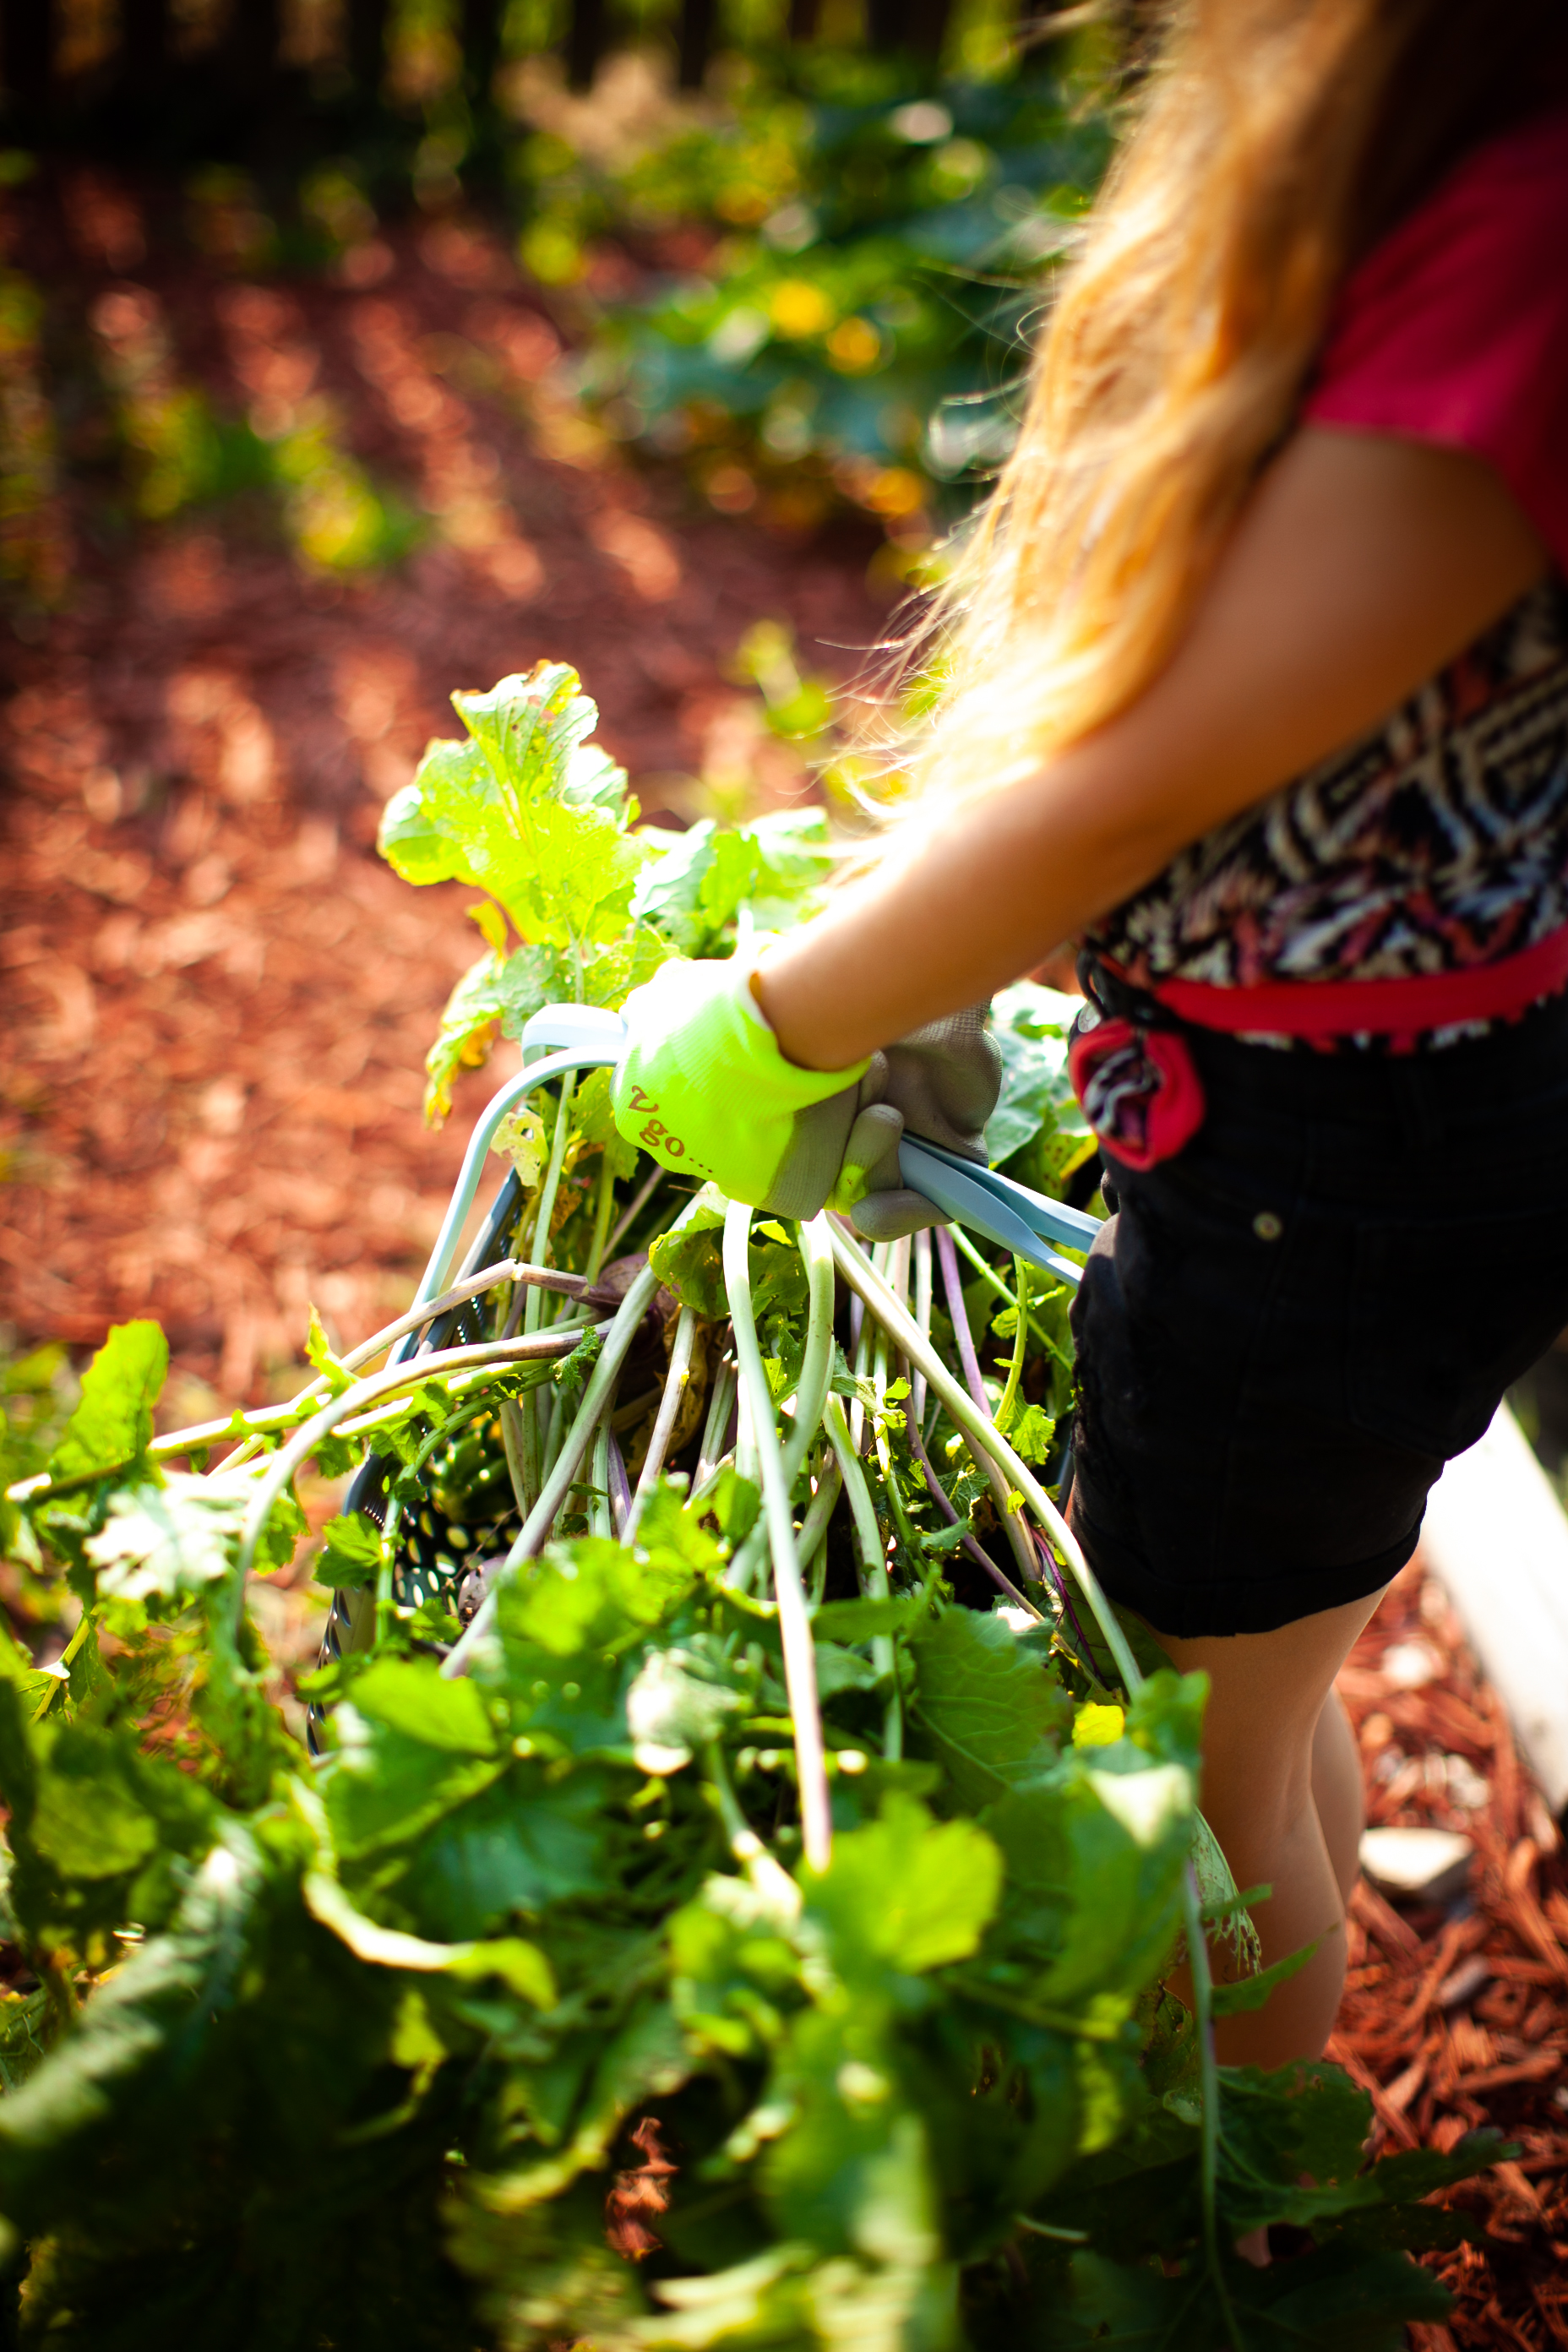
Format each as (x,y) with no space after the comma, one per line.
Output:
(526,810)
(164,1543)
(1030,1025)
(905,1893)
(1357,2302)
(113,1419)
(699,880)
(991,1710)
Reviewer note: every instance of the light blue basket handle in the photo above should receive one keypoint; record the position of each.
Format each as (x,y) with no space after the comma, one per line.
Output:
(590,1036)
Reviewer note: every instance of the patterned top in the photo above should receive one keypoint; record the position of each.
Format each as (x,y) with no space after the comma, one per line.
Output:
(1438,841)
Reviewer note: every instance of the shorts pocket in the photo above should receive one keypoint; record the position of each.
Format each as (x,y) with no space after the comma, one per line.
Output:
(1444,1316)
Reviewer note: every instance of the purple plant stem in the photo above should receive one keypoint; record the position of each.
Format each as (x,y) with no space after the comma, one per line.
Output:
(1057,1583)
(620,1487)
(952,1285)
(933,1486)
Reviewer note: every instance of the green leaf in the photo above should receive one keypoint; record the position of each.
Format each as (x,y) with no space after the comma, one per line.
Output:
(680,1700)
(906,1893)
(593,1115)
(164,1543)
(1029,1024)
(674,1539)
(319,1350)
(992,1712)
(113,1421)
(89,1822)
(699,880)
(499,991)
(862,1621)
(689,1259)
(526,810)
(1031,1433)
(1253,1991)
(735,1501)
(509,1851)
(351,1553)
(1357,2302)
(591,1593)
(1095,1855)
(411,1696)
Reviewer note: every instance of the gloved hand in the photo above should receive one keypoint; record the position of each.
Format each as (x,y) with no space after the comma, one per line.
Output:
(703,1086)
(940,1082)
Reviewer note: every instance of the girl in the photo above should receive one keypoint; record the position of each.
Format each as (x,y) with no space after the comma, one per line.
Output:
(1258,687)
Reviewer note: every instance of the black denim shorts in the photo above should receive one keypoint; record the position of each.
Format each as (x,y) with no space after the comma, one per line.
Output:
(1287,1328)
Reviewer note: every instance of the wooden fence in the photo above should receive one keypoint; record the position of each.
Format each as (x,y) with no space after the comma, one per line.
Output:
(247,62)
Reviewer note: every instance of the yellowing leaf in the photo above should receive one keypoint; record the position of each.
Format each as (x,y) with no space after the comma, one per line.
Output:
(520,1138)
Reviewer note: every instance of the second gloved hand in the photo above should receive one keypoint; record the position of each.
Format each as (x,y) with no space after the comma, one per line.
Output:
(940,1083)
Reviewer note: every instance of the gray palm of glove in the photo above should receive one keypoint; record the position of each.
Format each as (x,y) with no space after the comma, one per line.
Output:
(941,1084)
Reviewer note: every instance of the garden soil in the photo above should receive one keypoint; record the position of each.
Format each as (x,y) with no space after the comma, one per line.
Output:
(218,1000)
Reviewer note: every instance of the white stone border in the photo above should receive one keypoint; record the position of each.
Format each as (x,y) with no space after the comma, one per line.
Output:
(1496,1536)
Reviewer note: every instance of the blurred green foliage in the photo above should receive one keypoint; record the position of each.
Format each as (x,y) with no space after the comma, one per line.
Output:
(852,327)
(808,284)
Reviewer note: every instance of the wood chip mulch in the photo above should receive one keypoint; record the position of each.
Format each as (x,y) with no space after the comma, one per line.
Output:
(217,999)
(1456,2016)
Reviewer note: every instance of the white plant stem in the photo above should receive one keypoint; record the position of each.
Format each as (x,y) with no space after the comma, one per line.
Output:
(815,1242)
(535,1530)
(873,1564)
(599,1519)
(795,1626)
(710,1451)
(814,1526)
(669,1413)
(868,1285)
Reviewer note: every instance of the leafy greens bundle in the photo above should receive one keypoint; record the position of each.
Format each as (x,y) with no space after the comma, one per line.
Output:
(735,1901)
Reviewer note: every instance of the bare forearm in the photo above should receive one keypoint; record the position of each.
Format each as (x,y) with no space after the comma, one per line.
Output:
(1361,566)
(982,898)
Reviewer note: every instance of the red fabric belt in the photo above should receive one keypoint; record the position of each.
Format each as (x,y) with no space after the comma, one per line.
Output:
(1402,1010)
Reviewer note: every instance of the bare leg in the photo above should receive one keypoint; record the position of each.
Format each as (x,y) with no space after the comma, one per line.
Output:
(1273,1740)
(1337,1792)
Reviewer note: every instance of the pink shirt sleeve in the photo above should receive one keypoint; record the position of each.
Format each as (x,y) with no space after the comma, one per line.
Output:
(1455,328)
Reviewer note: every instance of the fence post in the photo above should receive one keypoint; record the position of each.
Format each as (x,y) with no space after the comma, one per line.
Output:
(27,33)
(366,31)
(481,47)
(251,45)
(917,26)
(145,43)
(695,41)
(584,40)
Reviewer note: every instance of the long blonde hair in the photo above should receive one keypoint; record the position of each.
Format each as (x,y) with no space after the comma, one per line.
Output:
(1273,139)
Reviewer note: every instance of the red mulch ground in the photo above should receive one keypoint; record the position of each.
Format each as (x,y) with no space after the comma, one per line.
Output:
(1457,2017)
(217,1001)
(218,998)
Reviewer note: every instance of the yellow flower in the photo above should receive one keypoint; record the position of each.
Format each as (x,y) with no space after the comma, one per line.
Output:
(800,309)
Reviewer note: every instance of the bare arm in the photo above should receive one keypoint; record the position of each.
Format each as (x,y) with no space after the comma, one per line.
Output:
(1361,565)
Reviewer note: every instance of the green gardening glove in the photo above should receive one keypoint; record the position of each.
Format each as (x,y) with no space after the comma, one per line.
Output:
(703,1086)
